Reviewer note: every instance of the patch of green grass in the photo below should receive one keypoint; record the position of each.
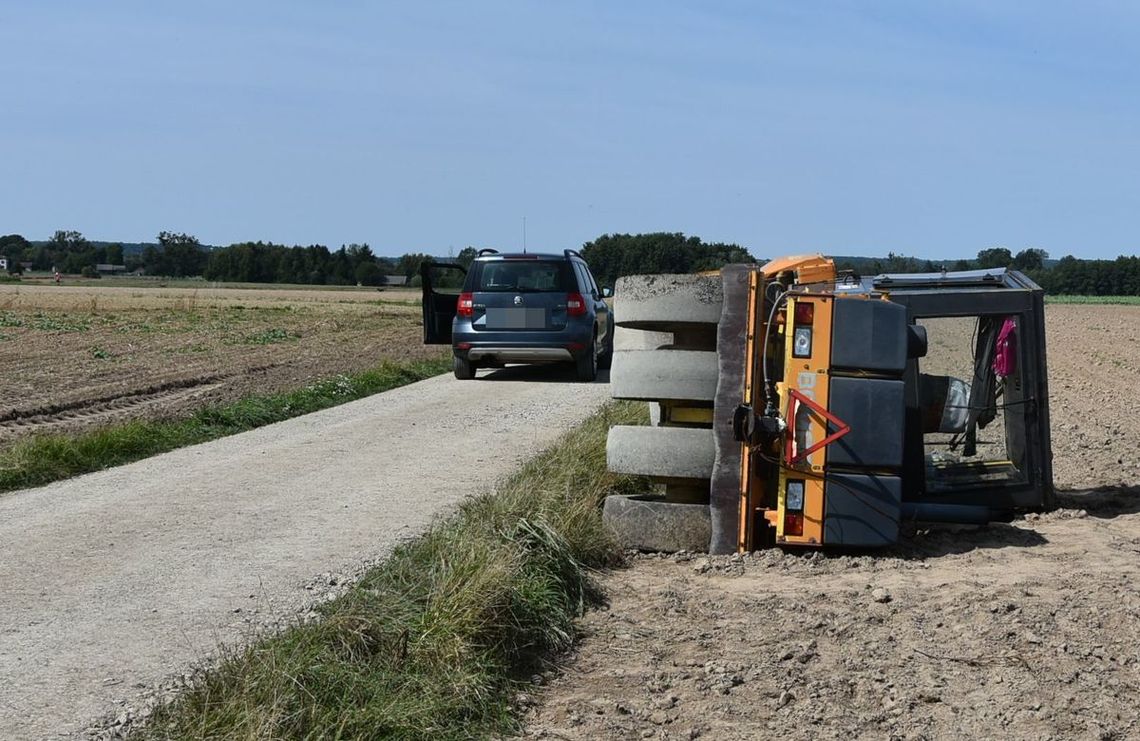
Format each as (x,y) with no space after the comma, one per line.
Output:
(433,642)
(100,353)
(191,349)
(59,323)
(1054,299)
(45,322)
(43,459)
(273,336)
(10,319)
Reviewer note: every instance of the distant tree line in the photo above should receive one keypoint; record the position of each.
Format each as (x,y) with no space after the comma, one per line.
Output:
(610,256)
(67,251)
(1069,275)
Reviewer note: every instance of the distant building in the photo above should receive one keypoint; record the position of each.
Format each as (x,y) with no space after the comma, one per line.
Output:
(3,263)
(106,269)
(395,280)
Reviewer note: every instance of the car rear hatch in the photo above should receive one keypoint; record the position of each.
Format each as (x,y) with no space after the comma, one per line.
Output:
(521,294)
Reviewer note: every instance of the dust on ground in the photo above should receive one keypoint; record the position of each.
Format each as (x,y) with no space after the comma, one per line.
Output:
(74,357)
(1027,629)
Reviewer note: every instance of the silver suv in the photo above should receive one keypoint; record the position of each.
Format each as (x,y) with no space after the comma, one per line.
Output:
(518,308)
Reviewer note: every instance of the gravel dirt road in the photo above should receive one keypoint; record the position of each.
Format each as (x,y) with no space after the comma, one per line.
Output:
(1029,629)
(116,581)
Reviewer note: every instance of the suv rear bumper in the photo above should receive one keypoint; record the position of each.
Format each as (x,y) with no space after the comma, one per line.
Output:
(522,346)
(520,354)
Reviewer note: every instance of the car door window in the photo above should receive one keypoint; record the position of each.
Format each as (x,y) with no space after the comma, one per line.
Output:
(593,284)
(583,284)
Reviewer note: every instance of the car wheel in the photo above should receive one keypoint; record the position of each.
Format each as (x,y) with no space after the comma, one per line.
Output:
(464,369)
(587,364)
(607,357)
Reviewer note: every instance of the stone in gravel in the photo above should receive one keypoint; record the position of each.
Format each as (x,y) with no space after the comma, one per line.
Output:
(659,717)
(785,697)
(880,595)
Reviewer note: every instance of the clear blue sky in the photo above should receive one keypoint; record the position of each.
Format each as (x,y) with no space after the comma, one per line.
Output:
(844,127)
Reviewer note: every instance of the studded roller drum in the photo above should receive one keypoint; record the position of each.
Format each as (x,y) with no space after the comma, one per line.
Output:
(649,524)
(661,452)
(667,303)
(664,375)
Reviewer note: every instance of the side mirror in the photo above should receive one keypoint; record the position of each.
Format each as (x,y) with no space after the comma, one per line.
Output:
(607,292)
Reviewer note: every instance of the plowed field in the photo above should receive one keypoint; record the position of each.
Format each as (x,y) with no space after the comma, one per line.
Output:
(73,357)
(1023,630)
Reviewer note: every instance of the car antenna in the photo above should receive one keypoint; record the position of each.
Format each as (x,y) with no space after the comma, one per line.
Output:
(524,235)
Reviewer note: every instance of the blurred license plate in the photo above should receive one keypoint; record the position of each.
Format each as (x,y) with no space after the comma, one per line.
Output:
(516,318)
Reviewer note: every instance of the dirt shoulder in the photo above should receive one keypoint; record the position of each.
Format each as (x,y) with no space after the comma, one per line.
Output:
(1022,630)
(118,580)
(1027,630)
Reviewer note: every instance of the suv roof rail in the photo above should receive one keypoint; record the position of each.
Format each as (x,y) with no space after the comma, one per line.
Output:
(574,253)
(486,251)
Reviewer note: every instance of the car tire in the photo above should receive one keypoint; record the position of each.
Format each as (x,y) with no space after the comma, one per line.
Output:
(587,364)
(464,369)
(607,357)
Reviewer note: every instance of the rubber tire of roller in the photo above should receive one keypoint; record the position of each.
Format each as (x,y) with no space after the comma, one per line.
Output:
(661,452)
(648,524)
(666,302)
(664,375)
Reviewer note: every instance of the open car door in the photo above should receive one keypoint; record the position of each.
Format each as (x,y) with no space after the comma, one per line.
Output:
(442,283)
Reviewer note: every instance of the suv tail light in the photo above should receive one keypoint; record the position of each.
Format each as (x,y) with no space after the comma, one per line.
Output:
(575,304)
(466,305)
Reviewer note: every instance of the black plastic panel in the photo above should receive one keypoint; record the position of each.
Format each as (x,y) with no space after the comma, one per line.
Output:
(861,510)
(870,335)
(875,409)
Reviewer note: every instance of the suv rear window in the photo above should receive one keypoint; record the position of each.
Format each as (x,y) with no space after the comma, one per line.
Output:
(520,276)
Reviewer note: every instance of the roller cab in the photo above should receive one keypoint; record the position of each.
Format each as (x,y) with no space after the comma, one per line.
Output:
(847,430)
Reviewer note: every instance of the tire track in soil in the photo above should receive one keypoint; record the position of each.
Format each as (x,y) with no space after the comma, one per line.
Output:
(21,422)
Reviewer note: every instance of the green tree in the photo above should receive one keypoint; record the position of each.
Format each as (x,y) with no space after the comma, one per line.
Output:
(613,255)
(115,253)
(369,274)
(409,265)
(994,257)
(466,256)
(1030,259)
(68,241)
(182,255)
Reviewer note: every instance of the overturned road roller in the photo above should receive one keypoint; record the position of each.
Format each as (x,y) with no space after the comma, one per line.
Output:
(791,406)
